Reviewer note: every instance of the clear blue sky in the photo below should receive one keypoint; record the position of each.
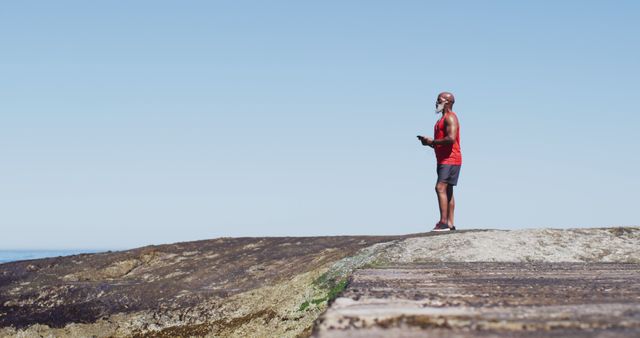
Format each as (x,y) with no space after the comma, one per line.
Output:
(130,123)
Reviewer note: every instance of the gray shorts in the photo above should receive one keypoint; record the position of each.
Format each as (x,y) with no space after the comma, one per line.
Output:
(448,173)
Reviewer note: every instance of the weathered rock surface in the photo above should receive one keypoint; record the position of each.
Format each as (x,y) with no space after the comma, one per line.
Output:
(225,286)
(488,300)
(525,283)
(620,244)
(278,287)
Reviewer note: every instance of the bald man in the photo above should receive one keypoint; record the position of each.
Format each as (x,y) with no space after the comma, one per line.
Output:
(446,144)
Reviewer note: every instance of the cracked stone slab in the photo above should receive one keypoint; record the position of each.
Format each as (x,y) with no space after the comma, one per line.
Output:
(483,299)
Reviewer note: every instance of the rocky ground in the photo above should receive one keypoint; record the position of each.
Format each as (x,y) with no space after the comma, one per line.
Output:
(488,300)
(526,283)
(221,287)
(257,287)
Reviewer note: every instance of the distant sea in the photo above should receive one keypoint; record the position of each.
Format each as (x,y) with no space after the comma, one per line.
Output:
(19,255)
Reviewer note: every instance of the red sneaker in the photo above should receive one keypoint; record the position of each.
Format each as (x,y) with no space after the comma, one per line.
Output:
(441,227)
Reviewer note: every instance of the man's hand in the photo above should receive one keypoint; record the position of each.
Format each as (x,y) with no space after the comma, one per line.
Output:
(426,141)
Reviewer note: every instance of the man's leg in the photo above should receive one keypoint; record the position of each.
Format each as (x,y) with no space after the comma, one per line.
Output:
(443,203)
(452,205)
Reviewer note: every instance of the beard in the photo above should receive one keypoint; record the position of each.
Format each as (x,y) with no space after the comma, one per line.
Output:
(439,108)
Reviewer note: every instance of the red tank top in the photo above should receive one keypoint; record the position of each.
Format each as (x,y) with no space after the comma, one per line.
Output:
(447,153)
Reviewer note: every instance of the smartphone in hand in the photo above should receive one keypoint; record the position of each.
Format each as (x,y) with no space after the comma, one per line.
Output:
(423,140)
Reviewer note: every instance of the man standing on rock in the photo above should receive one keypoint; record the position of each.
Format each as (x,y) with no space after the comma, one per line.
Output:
(446,144)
